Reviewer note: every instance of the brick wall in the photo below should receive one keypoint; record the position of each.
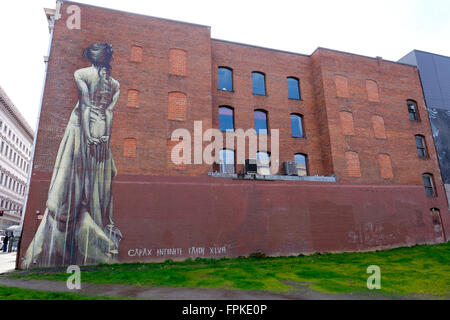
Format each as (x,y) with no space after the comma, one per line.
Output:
(356,126)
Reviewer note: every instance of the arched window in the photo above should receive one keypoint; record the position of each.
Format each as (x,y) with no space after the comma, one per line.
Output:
(226,161)
(261,126)
(129,148)
(293,88)
(421,146)
(225,79)
(177,62)
(226,118)
(297,125)
(133,98)
(263,163)
(412,110)
(429,184)
(259,83)
(301,164)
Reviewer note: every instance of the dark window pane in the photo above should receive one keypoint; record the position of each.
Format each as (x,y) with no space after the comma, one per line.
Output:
(260,122)
(227,161)
(297,126)
(300,164)
(421,149)
(428,183)
(293,88)
(412,109)
(226,119)
(259,83)
(225,77)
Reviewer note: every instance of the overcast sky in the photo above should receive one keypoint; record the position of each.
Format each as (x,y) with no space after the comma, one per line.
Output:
(387,28)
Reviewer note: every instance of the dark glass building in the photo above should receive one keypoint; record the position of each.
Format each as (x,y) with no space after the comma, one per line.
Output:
(434,73)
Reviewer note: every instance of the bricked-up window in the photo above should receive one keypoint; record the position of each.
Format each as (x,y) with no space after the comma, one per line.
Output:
(378,127)
(342,86)
(301,164)
(225,79)
(421,146)
(133,98)
(385,165)
(177,106)
(297,125)
(347,123)
(226,118)
(261,126)
(412,110)
(226,161)
(177,62)
(353,166)
(136,54)
(129,147)
(259,83)
(293,88)
(372,91)
(428,182)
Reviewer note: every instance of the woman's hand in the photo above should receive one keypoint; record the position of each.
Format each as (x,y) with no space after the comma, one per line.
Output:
(92,141)
(104,139)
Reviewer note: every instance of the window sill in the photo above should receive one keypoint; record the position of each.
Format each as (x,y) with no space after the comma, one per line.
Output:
(225,90)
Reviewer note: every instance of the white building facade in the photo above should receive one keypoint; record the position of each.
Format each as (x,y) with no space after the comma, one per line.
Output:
(16,141)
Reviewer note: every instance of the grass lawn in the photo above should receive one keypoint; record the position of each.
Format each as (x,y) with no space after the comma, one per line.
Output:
(8,293)
(419,270)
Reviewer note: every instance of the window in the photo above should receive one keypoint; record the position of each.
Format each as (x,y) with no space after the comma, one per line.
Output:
(378,127)
(177,109)
(347,127)
(136,54)
(260,121)
(385,166)
(225,79)
(412,110)
(429,185)
(421,147)
(293,88)
(259,83)
(372,91)
(177,62)
(226,161)
(297,126)
(226,119)
(133,98)
(353,165)
(263,163)
(301,164)
(129,148)
(341,86)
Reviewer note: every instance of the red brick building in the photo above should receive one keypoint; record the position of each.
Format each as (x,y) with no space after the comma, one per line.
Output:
(356,126)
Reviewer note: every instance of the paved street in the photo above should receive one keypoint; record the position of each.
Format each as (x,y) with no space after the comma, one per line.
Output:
(7,261)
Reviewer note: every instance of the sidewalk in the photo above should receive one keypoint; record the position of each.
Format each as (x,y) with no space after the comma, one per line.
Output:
(7,261)
(165,293)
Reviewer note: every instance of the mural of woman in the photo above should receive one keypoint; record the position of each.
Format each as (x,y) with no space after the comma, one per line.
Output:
(78,227)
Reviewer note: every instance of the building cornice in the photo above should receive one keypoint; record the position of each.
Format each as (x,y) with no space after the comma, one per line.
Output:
(15,114)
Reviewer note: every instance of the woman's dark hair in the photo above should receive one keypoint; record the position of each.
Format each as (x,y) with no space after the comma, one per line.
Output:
(99,54)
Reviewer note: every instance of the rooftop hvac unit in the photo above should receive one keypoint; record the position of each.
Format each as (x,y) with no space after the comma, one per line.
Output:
(250,166)
(289,168)
(264,169)
(301,170)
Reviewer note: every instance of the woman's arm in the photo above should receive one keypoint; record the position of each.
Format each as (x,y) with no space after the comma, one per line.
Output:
(85,106)
(109,111)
